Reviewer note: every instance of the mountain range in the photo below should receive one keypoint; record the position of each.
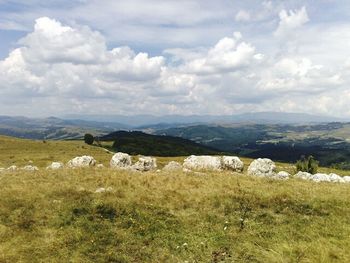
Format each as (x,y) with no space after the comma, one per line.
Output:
(253,117)
(279,136)
(75,126)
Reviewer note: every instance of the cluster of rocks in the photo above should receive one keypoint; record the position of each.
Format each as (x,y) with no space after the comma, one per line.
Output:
(319,177)
(215,163)
(124,161)
(12,168)
(261,167)
(267,168)
(81,161)
(264,167)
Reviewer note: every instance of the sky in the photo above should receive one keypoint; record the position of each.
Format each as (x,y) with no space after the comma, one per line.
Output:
(174,57)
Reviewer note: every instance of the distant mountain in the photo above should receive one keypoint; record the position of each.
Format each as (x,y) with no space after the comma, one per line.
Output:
(255,117)
(53,128)
(146,144)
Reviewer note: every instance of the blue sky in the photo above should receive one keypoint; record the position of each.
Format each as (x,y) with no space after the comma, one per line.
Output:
(174,57)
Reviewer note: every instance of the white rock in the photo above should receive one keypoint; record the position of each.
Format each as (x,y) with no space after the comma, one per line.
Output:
(30,168)
(172,166)
(120,160)
(12,168)
(232,163)
(282,175)
(55,166)
(103,190)
(346,179)
(203,162)
(303,175)
(185,170)
(100,166)
(319,177)
(82,161)
(262,168)
(145,164)
(336,178)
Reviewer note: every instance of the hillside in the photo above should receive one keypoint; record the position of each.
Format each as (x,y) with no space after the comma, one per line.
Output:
(53,128)
(56,216)
(146,144)
(328,142)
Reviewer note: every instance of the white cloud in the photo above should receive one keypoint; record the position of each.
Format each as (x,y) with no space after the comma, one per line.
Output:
(65,67)
(242,16)
(347,63)
(57,59)
(229,54)
(125,64)
(53,43)
(298,76)
(291,20)
(15,73)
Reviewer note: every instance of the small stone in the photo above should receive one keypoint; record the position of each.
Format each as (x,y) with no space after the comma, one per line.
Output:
(55,166)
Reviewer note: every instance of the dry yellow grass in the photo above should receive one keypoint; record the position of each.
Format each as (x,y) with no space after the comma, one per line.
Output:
(56,216)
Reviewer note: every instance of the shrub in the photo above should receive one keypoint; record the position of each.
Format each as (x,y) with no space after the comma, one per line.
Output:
(309,165)
(88,139)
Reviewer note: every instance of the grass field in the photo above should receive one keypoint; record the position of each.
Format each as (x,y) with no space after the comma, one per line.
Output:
(56,216)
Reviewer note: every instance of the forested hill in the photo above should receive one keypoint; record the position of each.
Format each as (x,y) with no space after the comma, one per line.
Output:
(136,142)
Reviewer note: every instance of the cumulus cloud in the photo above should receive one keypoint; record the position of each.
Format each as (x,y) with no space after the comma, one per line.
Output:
(56,59)
(291,20)
(229,54)
(51,42)
(65,67)
(125,64)
(298,75)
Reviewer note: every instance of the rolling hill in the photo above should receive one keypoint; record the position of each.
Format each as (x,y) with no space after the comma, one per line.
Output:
(146,144)
(328,142)
(54,128)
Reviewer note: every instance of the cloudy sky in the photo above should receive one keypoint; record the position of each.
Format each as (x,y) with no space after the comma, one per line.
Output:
(174,57)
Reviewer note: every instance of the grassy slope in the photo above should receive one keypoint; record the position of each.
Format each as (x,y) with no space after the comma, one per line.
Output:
(163,217)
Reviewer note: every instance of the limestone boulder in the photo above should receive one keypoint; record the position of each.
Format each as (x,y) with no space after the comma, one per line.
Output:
(203,162)
(346,179)
(320,177)
(55,166)
(12,168)
(82,161)
(30,168)
(336,178)
(145,163)
(232,163)
(262,167)
(282,175)
(172,166)
(303,175)
(121,160)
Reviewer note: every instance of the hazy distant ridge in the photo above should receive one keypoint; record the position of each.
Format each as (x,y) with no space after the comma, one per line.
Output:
(258,117)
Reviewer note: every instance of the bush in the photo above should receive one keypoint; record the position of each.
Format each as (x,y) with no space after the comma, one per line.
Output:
(88,139)
(309,165)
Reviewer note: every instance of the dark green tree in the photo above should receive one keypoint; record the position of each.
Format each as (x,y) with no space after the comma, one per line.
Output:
(88,138)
